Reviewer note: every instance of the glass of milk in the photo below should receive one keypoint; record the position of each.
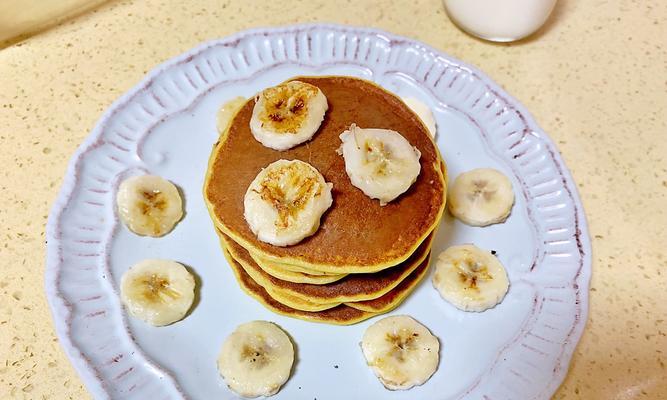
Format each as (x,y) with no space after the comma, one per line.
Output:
(499,20)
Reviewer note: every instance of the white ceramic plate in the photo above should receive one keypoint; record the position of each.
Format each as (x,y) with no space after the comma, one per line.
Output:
(167,125)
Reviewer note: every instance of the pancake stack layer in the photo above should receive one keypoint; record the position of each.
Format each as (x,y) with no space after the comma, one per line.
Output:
(365,258)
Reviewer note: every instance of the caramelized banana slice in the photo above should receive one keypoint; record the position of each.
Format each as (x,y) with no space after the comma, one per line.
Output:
(284,203)
(288,114)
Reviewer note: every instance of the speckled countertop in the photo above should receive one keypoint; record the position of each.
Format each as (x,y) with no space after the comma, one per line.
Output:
(595,78)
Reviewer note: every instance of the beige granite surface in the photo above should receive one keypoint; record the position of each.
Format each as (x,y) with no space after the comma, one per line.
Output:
(595,79)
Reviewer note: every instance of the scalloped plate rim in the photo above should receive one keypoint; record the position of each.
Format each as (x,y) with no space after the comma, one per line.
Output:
(60,310)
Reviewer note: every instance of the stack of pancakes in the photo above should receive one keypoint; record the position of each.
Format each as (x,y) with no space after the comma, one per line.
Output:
(365,258)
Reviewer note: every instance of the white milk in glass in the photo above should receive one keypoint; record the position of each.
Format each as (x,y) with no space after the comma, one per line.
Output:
(499,20)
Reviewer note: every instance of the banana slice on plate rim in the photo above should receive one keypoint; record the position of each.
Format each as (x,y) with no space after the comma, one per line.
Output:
(470,278)
(401,352)
(481,197)
(284,203)
(379,162)
(159,292)
(288,114)
(256,359)
(149,205)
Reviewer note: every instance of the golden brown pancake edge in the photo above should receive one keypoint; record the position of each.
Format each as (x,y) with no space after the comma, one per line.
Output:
(339,315)
(352,288)
(397,295)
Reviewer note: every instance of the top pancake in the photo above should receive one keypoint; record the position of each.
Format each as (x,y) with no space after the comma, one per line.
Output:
(356,235)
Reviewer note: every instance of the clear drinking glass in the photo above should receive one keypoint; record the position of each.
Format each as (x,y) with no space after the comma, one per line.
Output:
(499,20)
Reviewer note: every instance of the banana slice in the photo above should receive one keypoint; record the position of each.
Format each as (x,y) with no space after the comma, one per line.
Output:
(470,278)
(423,112)
(149,205)
(159,292)
(288,114)
(256,359)
(227,112)
(402,352)
(284,203)
(380,162)
(481,197)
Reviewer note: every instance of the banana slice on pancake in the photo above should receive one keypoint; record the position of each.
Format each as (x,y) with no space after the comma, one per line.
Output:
(402,352)
(256,359)
(149,205)
(288,114)
(423,112)
(379,162)
(481,197)
(159,292)
(470,278)
(284,203)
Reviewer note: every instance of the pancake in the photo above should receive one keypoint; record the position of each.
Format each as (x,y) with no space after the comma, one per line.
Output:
(269,264)
(284,298)
(295,302)
(298,277)
(356,235)
(382,304)
(354,287)
(339,315)
(395,296)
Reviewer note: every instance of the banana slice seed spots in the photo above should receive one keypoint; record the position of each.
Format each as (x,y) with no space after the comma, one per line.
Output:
(258,358)
(378,155)
(286,109)
(153,198)
(402,344)
(157,288)
(288,190)
(481,189)
(471,272)
(152,204)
